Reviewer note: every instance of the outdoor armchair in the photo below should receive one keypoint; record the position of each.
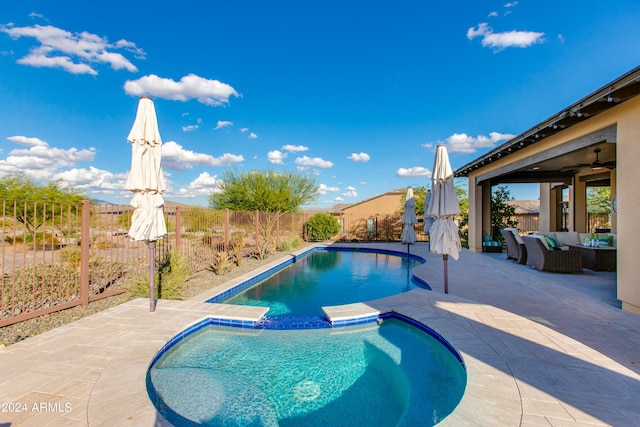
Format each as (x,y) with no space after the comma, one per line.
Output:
(515,249)
(557,261)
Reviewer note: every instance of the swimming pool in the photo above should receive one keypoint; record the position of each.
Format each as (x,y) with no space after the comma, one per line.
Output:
(328,277)
(395,371)
(381,374)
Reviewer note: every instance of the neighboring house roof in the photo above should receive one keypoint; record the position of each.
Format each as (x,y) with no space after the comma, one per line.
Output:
(524,207)
(339,208)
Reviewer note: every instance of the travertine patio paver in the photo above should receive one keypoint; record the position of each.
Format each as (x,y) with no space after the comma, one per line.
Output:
(538,351)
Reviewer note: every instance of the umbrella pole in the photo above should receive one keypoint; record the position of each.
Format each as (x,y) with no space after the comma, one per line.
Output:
(152,276)
(445,258)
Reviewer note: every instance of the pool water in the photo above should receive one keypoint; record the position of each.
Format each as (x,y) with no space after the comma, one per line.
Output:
(330,277)
(374,375)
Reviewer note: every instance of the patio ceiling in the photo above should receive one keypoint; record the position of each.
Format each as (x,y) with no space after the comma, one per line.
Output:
(561,163)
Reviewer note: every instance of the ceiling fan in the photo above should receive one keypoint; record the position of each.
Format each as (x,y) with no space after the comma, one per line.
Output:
(597,163)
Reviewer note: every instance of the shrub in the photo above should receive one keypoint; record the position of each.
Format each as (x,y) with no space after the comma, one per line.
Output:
(172,275)
(221,262)
(262,251)
(237,246)
(322,226)
(287,245)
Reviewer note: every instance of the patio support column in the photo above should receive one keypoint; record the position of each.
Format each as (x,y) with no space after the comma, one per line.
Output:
(545,214)
(486,209)
(614,191)
(579,207)
(476,209)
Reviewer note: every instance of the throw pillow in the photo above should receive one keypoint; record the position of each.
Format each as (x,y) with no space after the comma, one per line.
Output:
(553,244)
(486,237)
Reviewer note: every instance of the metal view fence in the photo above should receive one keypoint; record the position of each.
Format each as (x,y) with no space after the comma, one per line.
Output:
(58,255)
(55,255)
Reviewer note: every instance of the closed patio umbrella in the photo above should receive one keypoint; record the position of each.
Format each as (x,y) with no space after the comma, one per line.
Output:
(147,183)
(443,207)
(428,219)
(409,219)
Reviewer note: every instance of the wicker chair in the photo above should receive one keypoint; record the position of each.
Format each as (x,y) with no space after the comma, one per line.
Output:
(515,250)
(541,258)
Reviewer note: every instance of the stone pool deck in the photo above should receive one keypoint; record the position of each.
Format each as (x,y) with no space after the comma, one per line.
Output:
(540,349)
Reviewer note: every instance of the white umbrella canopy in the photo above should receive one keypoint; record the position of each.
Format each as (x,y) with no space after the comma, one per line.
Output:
(428,219)
(443,206)
(147,183)
(409,219)
(146,179)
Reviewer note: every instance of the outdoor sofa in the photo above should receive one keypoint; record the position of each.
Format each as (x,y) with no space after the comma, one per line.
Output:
(544,259)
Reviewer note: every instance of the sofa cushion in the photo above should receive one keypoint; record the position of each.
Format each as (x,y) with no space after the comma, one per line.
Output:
(565,238)
(542,238)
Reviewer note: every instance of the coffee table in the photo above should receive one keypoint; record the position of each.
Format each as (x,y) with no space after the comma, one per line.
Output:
(602,258)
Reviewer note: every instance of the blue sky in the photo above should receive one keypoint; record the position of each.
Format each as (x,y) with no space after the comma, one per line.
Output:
(358,94)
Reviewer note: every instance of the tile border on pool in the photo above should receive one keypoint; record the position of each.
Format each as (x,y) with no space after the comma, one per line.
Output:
(294,258)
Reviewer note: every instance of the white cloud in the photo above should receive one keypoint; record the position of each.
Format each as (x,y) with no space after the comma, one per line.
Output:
(40,162)
(28,141)
(315,161)
(307,169)
(428,145)
(189,128)
(276,157)
(294,148)
(463,143)
(493,14)
(511,4)
(203,185)
(208,92)
(252,135)
(500,41)
(76,53)
(222,124)
(243,130)
(324,189)
(44,157)
(175,157)
(362,157)
(350,192)
(416,171)
(338,199)
(91,180)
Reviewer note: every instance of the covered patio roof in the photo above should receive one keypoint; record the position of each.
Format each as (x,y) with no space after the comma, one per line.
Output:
(560,164)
